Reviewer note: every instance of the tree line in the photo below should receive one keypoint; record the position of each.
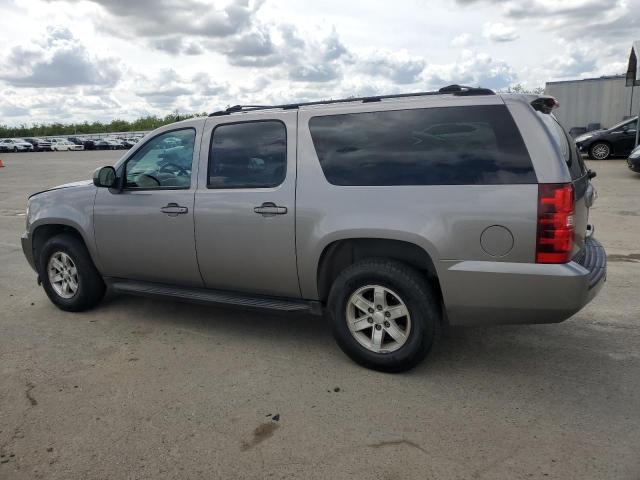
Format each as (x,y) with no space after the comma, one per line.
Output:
(149,122)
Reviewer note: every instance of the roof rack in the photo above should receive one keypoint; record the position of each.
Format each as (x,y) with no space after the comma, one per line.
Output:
(458,90)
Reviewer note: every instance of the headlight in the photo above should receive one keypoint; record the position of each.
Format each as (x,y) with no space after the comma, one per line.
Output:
(635,154)
(584,137)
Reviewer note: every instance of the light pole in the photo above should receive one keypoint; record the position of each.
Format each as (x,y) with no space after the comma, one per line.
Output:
(633,80)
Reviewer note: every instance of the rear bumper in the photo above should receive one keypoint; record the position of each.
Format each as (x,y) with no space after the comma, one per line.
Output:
(484,293)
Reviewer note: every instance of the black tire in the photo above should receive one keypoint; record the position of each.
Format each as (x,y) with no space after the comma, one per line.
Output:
(15,149)
(419,298)
(91,287)
(596,149)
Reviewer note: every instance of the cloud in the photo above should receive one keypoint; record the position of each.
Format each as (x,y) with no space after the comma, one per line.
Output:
(400,67)
(58,60)
(314,73)
(462,40)
(474,69)
(154,18)
(499,32)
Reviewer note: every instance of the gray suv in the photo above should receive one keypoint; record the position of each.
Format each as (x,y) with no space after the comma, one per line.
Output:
(395,214)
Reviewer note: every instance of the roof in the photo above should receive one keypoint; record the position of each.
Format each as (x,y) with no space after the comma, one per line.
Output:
(457,90)
(593,79)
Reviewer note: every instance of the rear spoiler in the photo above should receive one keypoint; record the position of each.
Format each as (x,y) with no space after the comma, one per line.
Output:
(545,104)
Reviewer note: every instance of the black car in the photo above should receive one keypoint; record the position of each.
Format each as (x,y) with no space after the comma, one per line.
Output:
(618,140)
(634,160)
(39,144)
(577,131)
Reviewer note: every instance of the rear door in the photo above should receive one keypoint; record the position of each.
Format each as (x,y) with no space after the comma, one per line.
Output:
(245,204)
(584,193)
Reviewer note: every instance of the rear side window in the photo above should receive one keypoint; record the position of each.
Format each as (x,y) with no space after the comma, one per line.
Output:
(567,146)
(248,155)
(436,146)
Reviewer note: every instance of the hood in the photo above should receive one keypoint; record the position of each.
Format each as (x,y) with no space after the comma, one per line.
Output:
(81,183)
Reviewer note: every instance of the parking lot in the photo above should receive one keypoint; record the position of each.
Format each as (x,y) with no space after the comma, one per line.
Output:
(141,388)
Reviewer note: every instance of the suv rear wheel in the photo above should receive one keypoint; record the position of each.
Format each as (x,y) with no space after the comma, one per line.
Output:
(384,314)
(68,275)
(600,151)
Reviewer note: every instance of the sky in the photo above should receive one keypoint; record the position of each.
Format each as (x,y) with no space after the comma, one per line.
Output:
(67,61)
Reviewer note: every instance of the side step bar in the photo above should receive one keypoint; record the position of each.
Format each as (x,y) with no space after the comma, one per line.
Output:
(215,297)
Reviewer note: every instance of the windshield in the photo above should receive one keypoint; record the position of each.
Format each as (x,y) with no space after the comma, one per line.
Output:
(629,121)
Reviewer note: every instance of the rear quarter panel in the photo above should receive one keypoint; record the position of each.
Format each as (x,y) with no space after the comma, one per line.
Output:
(445,220)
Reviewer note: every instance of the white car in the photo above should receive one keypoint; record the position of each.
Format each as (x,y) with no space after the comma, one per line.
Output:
(15,145)
(61,144)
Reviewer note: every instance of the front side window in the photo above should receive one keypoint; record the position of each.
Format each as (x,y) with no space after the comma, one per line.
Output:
(163,162)
(248,155)
(430,146)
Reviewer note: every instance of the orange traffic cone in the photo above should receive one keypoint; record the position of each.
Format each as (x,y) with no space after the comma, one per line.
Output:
(1,164)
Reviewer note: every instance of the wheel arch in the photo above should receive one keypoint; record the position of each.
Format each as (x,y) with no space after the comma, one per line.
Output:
(45,231)
(339,254)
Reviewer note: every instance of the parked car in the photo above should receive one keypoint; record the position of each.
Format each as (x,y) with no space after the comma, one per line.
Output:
(618,140)
(40,144)
(577,131)
(107,144)
(15,145)
(76,140)
(394,214)
(633,162)
(62,144)
(130,142)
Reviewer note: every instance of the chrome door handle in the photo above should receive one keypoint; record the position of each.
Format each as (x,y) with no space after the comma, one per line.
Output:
(268,209)
(173,209)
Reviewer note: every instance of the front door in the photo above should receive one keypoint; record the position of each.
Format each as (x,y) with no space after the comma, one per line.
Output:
(245,204)
(145,231)
(626,141)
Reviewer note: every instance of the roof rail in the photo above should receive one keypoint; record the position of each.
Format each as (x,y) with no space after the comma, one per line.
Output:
(458,90)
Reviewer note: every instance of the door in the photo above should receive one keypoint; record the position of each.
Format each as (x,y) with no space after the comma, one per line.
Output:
(245,205)
(145,231)
(625,141)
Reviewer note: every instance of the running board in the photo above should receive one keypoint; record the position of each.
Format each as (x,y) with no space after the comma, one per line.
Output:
(216,297)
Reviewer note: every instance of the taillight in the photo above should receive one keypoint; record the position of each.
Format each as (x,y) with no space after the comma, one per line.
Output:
(555,223)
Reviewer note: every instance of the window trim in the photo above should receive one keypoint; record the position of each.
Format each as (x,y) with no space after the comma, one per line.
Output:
(123,181)
(262,120)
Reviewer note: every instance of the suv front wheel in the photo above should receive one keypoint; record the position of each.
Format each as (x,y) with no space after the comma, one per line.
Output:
(384,314)
(68,275)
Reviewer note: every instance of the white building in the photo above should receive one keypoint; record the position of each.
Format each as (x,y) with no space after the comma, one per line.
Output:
(604,101)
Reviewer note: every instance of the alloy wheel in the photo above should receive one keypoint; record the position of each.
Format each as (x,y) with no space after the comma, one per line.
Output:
(63,275)
(378,318)
(600,151)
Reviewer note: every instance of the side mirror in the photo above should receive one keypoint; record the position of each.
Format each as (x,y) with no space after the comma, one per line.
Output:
(104,177)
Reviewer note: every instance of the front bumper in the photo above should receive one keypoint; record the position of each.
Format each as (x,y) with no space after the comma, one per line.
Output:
(634,164)
(27,249)
(484,293)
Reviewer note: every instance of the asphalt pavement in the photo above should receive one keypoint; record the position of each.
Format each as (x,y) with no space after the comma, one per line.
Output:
(148,389)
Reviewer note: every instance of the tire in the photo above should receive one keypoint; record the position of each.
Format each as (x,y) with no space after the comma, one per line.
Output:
(90,286)
(399,282)
(15,149)
(600,151)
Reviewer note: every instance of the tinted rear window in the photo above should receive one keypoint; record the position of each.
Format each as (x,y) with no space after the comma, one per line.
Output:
(434,146)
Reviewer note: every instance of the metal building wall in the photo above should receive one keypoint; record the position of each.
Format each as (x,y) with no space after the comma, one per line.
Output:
(603,100)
